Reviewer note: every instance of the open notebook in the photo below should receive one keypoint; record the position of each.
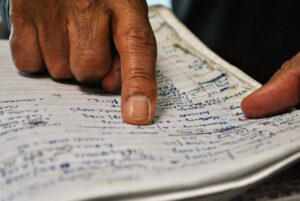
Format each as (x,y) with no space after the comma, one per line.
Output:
(66,142)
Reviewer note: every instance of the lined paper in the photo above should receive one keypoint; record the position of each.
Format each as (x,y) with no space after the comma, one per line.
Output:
(68,142)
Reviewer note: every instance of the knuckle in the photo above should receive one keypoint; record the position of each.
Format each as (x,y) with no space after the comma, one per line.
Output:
(139,73)
(142,88)
(27,64)
(87,77)
(25,56)
(24,66)
(90,68)
(139,38)
(59,71)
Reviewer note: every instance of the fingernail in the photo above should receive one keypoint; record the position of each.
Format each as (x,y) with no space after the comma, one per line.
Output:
(138,107)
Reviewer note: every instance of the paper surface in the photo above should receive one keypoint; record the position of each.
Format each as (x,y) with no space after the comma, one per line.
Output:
(66,142)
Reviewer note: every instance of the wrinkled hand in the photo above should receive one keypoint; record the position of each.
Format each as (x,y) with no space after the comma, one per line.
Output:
(71,38)
(282,92)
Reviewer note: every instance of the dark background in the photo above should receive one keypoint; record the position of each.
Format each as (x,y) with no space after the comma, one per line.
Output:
(3,33)
(257,36)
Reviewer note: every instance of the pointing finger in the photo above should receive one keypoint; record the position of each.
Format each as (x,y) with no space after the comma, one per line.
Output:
(135,42)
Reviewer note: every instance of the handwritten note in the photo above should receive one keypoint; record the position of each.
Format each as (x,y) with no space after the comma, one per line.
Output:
(68,142)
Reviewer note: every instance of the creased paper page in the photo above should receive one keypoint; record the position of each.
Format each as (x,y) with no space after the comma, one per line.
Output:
(65,142)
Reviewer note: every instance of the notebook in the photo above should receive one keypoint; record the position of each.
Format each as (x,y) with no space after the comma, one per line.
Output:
(67,142)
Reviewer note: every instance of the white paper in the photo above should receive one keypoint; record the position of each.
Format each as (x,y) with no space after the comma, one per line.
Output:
(67,142)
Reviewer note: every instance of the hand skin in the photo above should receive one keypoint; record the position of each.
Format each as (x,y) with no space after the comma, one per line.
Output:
(71,38)
(279,94)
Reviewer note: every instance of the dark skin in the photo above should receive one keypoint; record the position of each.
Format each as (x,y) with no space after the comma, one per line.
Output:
(71,39)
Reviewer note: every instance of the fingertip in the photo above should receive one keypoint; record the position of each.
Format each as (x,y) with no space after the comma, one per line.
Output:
(138,110)
(247,107)
(277,96)
(260,103)
(139,101)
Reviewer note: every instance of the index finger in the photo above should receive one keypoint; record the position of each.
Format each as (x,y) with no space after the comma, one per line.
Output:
(136,44)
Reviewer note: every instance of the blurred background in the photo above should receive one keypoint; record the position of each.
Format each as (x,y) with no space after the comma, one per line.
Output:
(163,2)
(3,33)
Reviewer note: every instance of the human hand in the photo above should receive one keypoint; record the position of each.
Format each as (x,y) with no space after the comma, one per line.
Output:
(71,38)
(280,93)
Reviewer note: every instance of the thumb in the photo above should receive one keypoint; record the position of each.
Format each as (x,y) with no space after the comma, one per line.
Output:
(135,42)
(280,93)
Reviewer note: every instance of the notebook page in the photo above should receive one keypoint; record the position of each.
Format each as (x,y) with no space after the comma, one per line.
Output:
(68,142)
